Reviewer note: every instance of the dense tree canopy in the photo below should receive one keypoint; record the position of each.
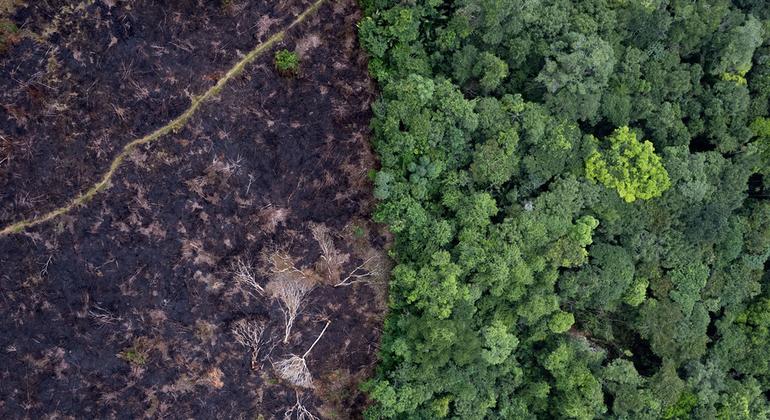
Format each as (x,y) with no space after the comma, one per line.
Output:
(579,195)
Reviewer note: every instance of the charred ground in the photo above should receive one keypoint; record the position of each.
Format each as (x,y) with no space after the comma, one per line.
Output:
(125,306)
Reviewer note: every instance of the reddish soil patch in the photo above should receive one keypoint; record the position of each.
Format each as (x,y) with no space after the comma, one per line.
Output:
(124,308)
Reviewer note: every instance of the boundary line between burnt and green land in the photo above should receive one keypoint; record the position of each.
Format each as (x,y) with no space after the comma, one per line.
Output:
(174,125)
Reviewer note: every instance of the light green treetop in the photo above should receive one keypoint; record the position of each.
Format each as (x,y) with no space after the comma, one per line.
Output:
(629,166)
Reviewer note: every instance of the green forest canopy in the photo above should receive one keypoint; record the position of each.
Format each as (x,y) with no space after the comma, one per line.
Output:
(579,195)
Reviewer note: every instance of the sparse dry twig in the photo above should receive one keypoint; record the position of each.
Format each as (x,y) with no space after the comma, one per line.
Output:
(103,316)
(249,335)
(44,271)
(298,411)
(5,150)
(281,263)
(243,273)
(270,216)
(294,368)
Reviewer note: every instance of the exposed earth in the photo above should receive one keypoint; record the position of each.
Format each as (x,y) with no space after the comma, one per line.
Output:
(125,307)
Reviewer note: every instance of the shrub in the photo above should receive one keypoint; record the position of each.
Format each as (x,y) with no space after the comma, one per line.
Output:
(287,62)
(8,31)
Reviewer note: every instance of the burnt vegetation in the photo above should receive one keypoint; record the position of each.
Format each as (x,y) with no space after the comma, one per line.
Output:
(192,284)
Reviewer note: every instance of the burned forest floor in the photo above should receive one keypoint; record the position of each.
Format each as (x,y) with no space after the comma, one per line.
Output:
(168,294)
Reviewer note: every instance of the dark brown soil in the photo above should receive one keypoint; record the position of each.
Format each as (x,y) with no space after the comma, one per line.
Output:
(124,307)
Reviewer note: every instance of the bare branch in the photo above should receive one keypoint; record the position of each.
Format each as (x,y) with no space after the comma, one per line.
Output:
(249,335)
(359,274)
(281,263)
(331,259)
(103,316)
(373,267)
(290,286)
(298,411)
(316,340)
(244,274)
(294,368)
(270,217)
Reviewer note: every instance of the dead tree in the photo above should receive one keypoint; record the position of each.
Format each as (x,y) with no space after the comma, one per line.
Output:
(332,259)
(245,275)
(298,411)
(249,334)
(290,286)
(294,368)
(368,270)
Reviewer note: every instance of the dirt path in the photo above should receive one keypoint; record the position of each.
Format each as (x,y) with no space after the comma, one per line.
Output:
(174,125)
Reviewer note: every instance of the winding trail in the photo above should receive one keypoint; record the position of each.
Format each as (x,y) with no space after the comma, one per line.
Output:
(173,126)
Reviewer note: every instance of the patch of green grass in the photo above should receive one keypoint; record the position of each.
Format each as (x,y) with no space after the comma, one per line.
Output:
(286,62)
(133,356)
(136,354)
(7,31)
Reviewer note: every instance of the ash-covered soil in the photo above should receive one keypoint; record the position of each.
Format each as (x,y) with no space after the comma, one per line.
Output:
(125,307)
